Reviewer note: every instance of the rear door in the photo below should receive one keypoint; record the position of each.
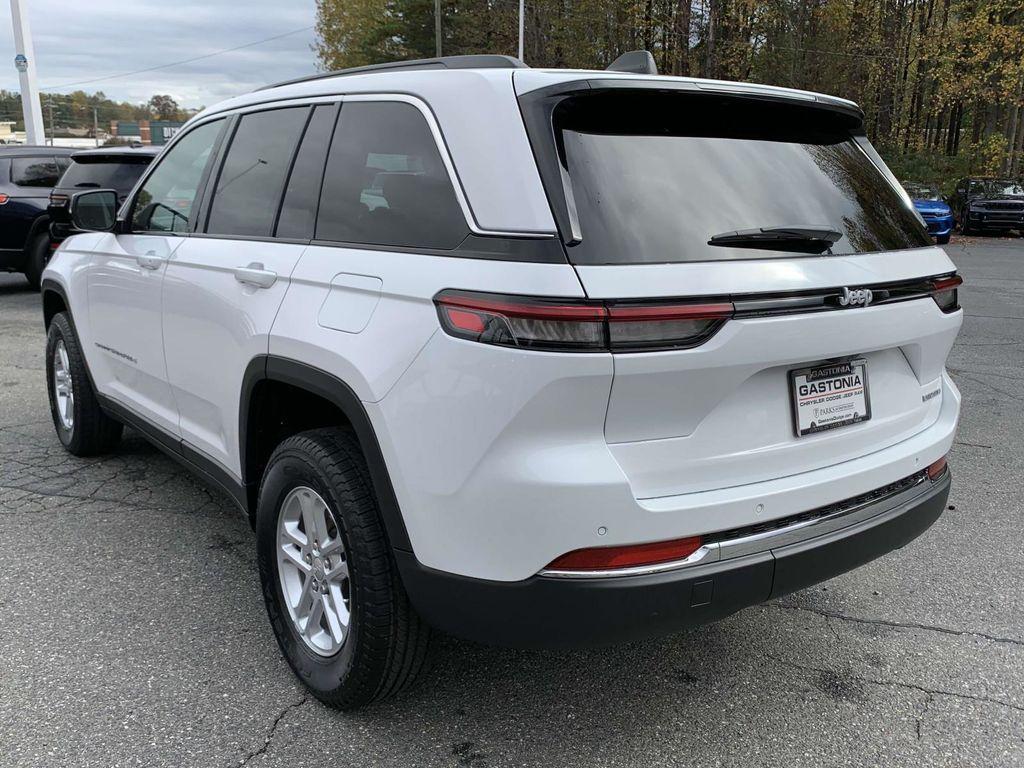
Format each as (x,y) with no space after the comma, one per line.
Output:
(710,200)
(225,285)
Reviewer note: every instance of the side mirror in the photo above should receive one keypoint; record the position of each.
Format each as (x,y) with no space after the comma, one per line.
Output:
(94,211)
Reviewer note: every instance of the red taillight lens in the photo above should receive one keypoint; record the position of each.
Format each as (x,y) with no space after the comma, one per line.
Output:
(937,468)
(4,198)
(944,291)
(611,558)
(577,325)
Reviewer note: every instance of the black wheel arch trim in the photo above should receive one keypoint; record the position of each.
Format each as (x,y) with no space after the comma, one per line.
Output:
(336,391)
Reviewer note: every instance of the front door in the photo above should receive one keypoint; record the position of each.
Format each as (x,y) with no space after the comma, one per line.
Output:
(126,279)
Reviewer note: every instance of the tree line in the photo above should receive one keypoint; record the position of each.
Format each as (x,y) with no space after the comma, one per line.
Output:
(941,82)
(78,110)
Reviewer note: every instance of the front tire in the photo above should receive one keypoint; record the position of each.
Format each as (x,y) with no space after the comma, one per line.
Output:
(333,594)
(82,426)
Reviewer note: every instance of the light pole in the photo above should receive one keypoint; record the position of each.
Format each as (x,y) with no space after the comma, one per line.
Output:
(25,63)
(522,3)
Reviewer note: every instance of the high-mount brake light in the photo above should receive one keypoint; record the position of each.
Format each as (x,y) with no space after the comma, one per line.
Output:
(944,291)
(568,325)
(629,556)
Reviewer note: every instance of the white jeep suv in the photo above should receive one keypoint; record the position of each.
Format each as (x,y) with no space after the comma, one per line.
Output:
(534,357)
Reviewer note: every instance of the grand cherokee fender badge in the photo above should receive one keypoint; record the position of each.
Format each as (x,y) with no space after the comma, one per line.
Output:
(857,297)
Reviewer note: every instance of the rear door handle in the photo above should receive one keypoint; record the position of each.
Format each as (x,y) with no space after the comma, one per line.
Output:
(150,260)
(255,274)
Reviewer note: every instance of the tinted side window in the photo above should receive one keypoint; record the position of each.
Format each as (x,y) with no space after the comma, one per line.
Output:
(298,211)
(250,182)
(385,182)
(34,171)
(167,199)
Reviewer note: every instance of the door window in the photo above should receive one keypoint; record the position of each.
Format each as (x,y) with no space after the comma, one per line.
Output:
(167,200)
(250,183)
(385,182)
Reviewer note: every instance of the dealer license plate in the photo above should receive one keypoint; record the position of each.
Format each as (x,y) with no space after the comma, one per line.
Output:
(829,396)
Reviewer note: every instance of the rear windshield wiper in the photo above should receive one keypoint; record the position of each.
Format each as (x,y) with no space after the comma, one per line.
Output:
(797,239)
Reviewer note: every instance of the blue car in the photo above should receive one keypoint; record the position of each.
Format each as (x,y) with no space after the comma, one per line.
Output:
(933,209)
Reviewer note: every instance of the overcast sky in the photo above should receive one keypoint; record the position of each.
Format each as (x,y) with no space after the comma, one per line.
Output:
(92,39)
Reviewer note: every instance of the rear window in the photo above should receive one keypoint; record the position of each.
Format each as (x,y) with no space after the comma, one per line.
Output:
(654,176)
(108,174)
(34,171)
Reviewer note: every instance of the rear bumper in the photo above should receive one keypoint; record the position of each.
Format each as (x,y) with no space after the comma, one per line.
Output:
(545,612)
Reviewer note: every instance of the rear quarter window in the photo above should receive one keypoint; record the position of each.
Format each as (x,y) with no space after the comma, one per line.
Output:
(385,182)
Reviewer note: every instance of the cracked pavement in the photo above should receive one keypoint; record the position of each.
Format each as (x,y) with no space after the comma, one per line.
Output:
(132,629)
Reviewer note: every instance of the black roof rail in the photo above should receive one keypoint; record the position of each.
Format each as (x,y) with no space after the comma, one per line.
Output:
(484,61)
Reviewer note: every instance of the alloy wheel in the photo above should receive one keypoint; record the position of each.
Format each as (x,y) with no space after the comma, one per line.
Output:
(313,571)
(63,386)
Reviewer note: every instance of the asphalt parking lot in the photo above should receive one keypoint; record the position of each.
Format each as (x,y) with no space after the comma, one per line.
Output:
(133,633)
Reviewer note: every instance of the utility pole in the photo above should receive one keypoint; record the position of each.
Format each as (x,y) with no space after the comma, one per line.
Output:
(437,28)
(50,103)
(522,4)
(25,63)
(95,126)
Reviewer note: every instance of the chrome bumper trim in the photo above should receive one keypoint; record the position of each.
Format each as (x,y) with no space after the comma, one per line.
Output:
(713,551)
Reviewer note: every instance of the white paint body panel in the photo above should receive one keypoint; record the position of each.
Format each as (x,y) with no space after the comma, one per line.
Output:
(213,327)
(126,355)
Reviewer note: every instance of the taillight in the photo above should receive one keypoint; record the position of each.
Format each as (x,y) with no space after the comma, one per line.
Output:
(58,199)
(944,292)
(630,556)
(569,325)
(4,198)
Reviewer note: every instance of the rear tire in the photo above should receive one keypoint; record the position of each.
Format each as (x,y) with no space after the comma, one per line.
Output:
(319,480)
(38,257)
(82,426)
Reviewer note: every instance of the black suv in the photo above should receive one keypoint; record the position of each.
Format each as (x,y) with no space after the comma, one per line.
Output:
(988,204)
(116,168)
(26,176)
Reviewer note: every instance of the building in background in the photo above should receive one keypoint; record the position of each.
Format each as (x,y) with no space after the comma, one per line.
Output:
(156,132)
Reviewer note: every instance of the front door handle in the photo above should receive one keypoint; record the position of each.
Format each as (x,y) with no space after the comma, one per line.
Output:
(255,274)
(150,260)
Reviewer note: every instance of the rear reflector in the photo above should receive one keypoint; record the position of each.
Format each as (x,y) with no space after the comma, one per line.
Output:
(944,291)
(611,558)
(937,468)
(569,325)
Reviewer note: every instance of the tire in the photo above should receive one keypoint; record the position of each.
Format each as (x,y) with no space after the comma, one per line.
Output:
(386,645)
(942,239)
(84,429)
(965,227)
(38,257)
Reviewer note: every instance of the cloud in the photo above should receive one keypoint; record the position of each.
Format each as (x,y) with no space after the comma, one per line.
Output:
(78,41)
